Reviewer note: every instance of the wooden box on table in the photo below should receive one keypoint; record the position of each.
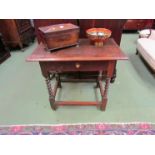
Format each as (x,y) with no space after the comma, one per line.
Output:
(59,36)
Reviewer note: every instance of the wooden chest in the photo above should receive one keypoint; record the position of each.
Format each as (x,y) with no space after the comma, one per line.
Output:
(59,36)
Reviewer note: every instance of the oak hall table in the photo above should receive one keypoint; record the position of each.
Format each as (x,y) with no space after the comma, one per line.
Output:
(84,58)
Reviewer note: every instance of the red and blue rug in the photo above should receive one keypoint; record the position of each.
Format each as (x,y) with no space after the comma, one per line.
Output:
(80,129)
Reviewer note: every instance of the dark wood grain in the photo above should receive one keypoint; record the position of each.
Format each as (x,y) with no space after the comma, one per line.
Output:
(46,22)
(84,52)
(59,35)
(138,24)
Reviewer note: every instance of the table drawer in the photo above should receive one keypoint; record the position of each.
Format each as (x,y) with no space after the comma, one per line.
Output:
(75,66)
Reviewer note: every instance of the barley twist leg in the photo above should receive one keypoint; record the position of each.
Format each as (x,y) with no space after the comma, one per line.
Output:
(51,94)
(104,97)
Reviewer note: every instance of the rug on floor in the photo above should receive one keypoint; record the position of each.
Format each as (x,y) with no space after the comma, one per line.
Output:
(81,129)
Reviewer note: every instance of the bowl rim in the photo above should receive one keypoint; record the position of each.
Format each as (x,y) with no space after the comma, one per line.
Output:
(94,28)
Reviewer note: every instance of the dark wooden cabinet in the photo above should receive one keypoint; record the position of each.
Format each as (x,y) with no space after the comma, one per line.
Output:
(4,51)
(16,32)
(138,24)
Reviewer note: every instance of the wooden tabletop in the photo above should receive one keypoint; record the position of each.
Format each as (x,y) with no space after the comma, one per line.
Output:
(83,52)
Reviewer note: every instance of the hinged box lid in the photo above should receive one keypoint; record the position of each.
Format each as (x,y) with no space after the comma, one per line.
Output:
(57,28)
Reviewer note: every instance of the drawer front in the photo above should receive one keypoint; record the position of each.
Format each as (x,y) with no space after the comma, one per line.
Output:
(74,66)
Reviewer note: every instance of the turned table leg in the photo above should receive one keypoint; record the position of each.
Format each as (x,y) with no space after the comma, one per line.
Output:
(97,84)
(100,77)
(105,93)
(58,80)
(114,76)
(51,93)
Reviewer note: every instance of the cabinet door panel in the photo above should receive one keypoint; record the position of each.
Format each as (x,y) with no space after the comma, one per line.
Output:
(23,25)
(138,24)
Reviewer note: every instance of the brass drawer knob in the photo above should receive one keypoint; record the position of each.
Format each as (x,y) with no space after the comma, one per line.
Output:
(77,65)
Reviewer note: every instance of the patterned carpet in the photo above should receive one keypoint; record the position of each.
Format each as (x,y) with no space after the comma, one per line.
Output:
(81,129)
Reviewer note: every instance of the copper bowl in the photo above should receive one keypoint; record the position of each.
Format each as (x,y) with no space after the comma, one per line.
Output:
(98,36)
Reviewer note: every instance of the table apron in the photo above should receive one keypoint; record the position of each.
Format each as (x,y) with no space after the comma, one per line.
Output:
(74,66)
